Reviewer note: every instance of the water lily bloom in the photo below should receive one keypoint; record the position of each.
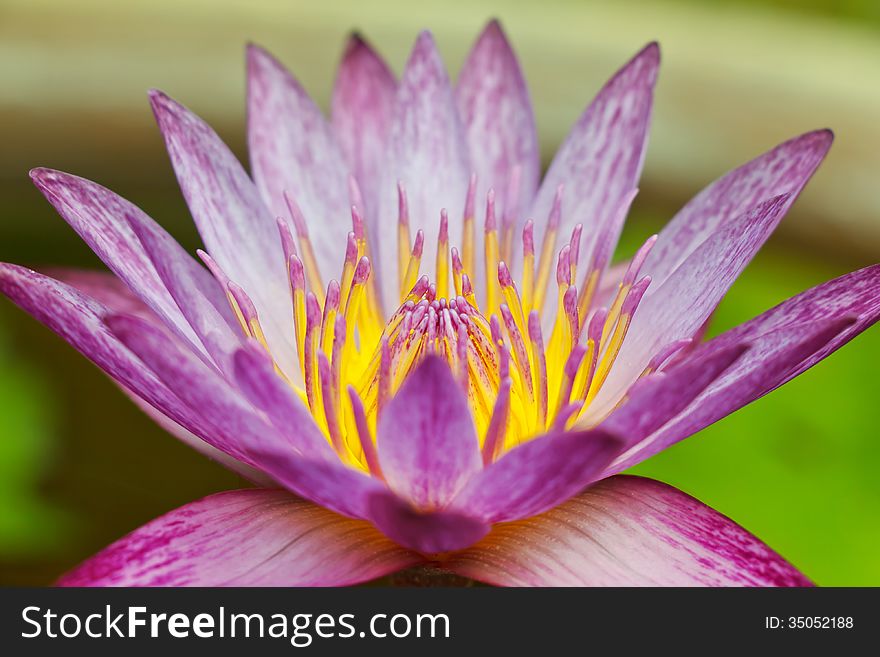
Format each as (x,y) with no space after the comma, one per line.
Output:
(418,349)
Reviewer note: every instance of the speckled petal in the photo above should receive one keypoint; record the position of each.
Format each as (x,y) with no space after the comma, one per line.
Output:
(245,538)
(626,531)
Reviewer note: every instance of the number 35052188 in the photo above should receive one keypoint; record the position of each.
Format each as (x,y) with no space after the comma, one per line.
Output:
(809,622)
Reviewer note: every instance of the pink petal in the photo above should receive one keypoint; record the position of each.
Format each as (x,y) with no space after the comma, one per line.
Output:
(239,430)
(658,398)
(679,308)
(237,228)
(426,440)
(79,320)
(211,319)
(787,340)
(626,531)
(250,537)
(117,297)
(236,428)
(783,170)
(600,161)
(293,149)
(106,222)
(363,102)
(429,533)
(495,107)
(427,152)
(538,475)
(259,382)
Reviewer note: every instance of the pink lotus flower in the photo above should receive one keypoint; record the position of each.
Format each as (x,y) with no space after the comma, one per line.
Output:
(458,418)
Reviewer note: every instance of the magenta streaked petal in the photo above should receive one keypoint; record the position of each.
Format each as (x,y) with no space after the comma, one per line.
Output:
(237,428)
(250,537)
(600,161)
(257,379)
(107,223)
(538,475)
(239,232)
(783,170)
(786,340)
(79,320)
(426,439)
(427,152)
(188,438)
(292,149)
(211,319)
(363,103)
(679,308)
(658,398)
(626,531)
(495,107)
(117,297)
(426,532)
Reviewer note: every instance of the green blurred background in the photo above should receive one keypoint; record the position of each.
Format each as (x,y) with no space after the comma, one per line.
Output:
(80,465)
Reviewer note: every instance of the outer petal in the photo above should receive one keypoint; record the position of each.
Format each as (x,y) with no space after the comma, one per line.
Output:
(117,297)
(235,225)
(426,440)
(107,223)
(494,104)
(239,430)
(600,161)
(79,320)
(245,538)
(427,152)
(656,399)
(428,533)
(787,339)
(783,170)
(681,305)
(363,102)
(211,319)
(293,149)
(626,531)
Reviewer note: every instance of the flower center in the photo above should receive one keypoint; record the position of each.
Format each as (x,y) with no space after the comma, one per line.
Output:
(518,384)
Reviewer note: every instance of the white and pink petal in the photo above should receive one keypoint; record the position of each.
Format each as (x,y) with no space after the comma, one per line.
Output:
(253,537)
(626,531)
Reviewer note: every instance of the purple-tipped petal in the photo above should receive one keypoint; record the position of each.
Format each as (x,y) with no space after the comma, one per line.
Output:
(658,398)
(363,102)
(426,440)
(427,152)
(118,298)
(786,340)
(600,161)
(237,228)
(626,531)
(245,538)
(495,107)
(683,303)
(108,224)
(211,319)
(429,533)
(783,170)
(538,475)
(237,429)
(293,150)
(256,377)
(79,320)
